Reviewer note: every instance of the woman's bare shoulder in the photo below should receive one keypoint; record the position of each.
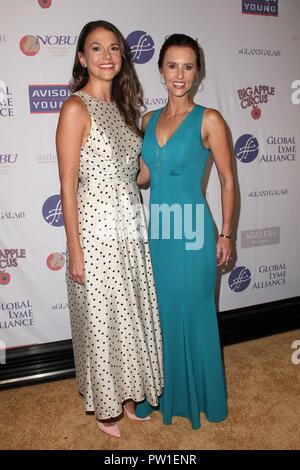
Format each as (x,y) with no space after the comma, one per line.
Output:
(146,119)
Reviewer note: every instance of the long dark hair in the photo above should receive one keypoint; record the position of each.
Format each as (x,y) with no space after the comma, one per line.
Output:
(180,40)
(126,89)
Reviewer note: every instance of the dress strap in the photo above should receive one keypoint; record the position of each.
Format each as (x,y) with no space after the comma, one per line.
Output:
(84,97)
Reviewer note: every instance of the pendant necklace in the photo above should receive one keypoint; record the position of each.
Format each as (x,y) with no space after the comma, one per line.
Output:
(159,159)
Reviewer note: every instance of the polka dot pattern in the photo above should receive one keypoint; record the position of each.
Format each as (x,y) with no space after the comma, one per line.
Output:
(114,316)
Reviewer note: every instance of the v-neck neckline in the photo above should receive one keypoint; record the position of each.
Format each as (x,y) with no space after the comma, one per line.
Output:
(176,130)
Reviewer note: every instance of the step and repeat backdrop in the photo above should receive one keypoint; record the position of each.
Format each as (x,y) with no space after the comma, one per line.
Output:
(252,76)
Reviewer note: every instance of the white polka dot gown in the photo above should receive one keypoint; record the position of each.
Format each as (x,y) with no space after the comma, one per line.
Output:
(114,316)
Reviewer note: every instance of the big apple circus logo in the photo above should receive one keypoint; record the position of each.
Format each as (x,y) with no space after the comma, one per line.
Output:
(9,258)
(252,97)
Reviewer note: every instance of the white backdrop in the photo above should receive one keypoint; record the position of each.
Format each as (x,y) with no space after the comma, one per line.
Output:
(252,65)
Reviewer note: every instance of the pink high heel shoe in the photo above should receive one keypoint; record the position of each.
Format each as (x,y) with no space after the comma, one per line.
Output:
(113,430)
(133,416)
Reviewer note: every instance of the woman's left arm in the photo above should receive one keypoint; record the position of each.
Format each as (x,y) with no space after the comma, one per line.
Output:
(215,137)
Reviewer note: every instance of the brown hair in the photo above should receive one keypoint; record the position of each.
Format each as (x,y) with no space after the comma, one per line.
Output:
(126,89)
(179,40)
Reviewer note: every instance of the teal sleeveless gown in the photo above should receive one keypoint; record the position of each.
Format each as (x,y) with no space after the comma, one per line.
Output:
(185,278)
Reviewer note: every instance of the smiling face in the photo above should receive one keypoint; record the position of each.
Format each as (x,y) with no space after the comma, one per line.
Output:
(179,69)
(102,54)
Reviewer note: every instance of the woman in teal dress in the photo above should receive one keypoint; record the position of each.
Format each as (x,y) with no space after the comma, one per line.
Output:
(185,255)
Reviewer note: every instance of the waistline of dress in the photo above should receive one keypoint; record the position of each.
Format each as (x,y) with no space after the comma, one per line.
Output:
(103,181)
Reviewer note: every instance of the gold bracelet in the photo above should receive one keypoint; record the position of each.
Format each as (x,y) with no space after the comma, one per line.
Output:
(225,236)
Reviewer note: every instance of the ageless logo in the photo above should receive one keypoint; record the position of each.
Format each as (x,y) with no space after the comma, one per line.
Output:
(260,237)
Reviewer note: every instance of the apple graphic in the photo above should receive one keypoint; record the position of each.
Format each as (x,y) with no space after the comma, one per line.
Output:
(55,261)
(256,112)
(45,3)
(29,45)
(4,278)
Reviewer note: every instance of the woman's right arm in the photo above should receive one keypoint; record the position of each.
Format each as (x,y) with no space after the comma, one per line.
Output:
(69,135)
(143,178)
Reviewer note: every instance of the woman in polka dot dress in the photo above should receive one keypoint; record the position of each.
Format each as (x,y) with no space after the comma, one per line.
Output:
(112,301)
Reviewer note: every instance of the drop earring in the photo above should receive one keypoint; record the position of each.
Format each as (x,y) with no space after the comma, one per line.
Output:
(162,81)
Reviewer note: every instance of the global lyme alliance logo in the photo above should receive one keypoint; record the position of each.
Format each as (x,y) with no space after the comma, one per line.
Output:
(15,314)
(47,98)
(246,148)
(265,277)
(6,100)
(141,47)
(276,149)
(260,7)
(239,279)
(52,211)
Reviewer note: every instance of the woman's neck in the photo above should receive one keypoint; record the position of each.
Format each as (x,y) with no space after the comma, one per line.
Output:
(178,105)
(99,90)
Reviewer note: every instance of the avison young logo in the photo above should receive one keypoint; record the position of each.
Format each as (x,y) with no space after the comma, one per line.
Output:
(47,98)
(260,7)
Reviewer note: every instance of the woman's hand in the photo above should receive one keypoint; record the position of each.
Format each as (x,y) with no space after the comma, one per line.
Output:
(224,251)
(143,178)
(76,267)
